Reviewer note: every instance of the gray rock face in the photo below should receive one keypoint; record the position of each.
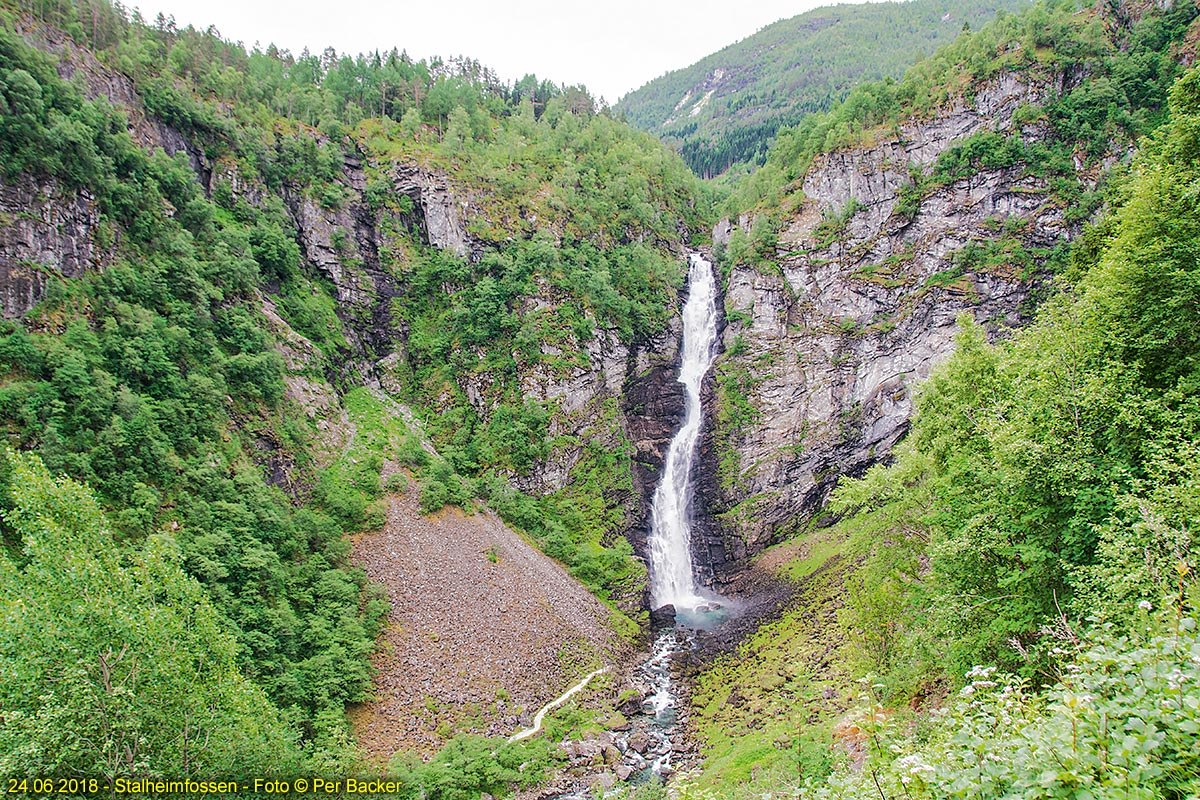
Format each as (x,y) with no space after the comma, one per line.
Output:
(606,393)
(344,242)
(48,232)
(441,207)
(828,348)
(45,233)
(609,395)
(721,232)
(603,392)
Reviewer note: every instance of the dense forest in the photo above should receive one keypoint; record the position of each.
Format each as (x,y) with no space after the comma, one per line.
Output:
(725,109)
(1009,595)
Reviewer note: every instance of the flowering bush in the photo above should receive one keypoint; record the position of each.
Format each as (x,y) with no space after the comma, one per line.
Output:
(1124,721)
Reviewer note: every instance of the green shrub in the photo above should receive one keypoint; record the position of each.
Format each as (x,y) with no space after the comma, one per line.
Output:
(1123,721)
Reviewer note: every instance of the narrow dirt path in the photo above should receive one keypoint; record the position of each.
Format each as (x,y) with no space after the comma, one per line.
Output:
(555,703)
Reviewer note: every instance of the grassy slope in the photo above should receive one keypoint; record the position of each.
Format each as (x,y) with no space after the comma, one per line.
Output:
(776,711)
(189,287)
(768,714)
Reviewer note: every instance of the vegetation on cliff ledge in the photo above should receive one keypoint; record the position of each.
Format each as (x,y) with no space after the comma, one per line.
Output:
(1018,588)
(175,594)
(172,381)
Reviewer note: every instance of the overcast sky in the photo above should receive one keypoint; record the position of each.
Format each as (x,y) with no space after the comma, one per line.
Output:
(612,46)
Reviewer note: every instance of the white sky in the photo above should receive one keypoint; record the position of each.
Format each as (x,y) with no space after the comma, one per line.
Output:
(611,46)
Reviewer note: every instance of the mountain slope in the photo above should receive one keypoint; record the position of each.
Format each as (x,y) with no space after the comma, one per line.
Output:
(871,228)
(989,228)
(1032,540)
(243,291)
(208,255)
(725,108)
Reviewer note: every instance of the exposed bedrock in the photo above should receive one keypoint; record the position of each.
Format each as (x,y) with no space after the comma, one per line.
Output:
(46,233)
(820,351)
(823,349)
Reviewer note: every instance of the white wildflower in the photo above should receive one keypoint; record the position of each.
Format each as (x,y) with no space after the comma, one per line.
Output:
(1073,700)
(1145,605)
(914,766)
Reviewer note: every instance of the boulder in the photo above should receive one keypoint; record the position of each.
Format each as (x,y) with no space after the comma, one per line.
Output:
(662,617)
(604,782)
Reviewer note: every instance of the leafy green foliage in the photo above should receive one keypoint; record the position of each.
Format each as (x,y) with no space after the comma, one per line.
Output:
(592,247)
(1043,501)
(470,765)
(1130,73)
(136,396)
(161,383)
(114,661)
(1061,466)
(1123,721)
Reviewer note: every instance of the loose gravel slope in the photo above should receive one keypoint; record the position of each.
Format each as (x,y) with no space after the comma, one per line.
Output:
(484,628)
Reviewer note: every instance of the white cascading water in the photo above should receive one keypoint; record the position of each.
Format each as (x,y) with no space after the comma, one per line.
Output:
(671,578)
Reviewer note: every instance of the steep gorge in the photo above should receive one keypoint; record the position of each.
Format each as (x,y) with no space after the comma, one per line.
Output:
(367,227)
(522,339)
(826,345)
(844,291)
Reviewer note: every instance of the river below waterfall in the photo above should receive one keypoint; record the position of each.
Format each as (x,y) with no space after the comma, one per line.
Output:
(672,569)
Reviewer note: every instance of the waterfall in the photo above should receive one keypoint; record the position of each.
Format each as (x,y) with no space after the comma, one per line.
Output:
(671,578)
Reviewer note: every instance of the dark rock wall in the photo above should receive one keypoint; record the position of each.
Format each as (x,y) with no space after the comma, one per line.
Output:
(46,233)
(832,341)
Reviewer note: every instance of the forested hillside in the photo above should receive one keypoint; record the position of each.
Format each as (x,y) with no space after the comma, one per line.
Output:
(1006,602)
(1037,520)
(871,228)
(724,110)
(207,250)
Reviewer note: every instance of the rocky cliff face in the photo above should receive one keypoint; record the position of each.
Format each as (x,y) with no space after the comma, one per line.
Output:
(821,349)
(625,399)
(605,393)
(611,394)
(46,232)
(80,66)
(824,347)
